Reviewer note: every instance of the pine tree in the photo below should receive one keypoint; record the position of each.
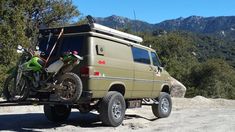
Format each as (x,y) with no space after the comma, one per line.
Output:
(20,21)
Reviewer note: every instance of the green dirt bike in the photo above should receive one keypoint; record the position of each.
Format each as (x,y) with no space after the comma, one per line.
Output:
(33,78)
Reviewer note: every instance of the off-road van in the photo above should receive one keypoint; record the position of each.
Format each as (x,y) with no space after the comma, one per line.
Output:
(116,73)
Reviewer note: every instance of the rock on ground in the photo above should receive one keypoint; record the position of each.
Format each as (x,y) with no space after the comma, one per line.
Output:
(178,89)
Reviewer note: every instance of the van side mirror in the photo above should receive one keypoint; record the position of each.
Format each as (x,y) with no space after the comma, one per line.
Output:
(159,68)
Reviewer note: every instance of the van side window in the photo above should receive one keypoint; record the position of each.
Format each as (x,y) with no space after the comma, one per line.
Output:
(140,55)
(156,61)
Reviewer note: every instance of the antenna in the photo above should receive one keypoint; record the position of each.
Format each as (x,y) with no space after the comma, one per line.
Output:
(134,14)
(135,21)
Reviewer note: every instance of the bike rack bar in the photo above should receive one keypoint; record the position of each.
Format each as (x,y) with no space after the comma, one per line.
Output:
(30,102)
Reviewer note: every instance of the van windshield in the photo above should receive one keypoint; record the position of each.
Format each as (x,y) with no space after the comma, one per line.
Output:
(64,44)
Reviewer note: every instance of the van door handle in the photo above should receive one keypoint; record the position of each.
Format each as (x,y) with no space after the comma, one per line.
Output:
(152,69)
(155,70)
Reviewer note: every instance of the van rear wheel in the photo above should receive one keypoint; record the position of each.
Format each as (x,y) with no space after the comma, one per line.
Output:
(163,108)
(112,109)
(57,113)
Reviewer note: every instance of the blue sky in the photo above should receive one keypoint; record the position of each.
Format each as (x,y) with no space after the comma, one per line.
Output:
(154,11)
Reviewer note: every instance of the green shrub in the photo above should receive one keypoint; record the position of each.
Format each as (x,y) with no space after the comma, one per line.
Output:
(213,78)
(3,75)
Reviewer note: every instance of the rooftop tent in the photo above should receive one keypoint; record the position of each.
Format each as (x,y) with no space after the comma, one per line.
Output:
(69,29)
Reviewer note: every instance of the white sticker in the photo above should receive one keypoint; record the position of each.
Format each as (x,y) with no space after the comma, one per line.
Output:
(158,73)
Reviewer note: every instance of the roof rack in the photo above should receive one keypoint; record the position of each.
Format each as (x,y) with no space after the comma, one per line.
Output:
(116,33)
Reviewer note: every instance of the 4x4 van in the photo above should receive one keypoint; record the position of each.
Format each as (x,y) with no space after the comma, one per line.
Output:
(116,73)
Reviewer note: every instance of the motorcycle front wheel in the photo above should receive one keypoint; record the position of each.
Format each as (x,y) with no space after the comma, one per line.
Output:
(13,91)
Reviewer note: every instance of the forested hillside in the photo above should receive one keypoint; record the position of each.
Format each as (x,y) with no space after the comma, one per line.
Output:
(186,58)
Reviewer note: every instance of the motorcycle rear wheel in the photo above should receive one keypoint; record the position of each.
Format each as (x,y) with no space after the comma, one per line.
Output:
(70,87)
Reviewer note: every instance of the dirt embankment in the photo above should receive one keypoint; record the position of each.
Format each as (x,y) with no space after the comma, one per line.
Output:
(196,114)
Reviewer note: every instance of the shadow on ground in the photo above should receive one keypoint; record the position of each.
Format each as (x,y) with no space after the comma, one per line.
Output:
(131,116)
(31,121)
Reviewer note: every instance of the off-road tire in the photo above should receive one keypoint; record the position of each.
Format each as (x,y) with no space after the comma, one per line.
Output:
(57,113)
(7,93)
(78,87)
(112,103)
(163,108)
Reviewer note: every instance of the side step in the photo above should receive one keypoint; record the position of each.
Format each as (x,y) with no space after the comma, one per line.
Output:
(149,101)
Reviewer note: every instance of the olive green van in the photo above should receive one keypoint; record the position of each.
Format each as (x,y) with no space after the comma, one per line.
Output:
(116,73)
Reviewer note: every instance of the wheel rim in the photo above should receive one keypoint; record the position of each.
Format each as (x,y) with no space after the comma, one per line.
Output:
(117,109)
(69,89)
(11,86)
(165,105)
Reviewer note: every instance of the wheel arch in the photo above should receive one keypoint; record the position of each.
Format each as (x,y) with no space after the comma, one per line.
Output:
(118,86)
(166,88)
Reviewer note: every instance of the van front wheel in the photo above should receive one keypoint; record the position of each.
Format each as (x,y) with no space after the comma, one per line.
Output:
(164,106)
(112,109)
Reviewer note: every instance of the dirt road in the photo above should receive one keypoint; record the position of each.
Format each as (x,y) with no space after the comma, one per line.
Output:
(196,115)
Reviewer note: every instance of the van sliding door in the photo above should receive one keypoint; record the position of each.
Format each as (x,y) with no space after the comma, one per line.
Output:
(143,75)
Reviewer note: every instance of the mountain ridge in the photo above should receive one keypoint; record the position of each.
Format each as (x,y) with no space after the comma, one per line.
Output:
(119,22)
(222,26)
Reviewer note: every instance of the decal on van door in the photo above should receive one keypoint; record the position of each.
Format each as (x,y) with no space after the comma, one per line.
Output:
(101,62)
